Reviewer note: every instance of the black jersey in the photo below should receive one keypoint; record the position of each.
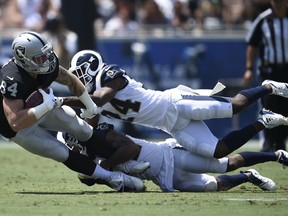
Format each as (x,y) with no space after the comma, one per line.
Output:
(16,83)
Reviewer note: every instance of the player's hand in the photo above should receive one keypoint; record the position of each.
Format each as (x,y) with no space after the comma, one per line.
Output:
(48,99)
(90,112)
(58,102)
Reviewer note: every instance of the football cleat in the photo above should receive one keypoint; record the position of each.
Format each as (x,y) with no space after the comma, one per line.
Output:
(278,88)
(133,167)
(270,119)
(283,158)
(262,182)
(119,181)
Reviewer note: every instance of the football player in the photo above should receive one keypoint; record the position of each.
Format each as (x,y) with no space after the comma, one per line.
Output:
(35,66)
(174,168)
(179,111)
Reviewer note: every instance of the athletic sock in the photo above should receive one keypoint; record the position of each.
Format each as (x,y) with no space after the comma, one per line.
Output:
(101,173)
(80,163)
(230,181)
(252,158)
(238,138)
(253,94)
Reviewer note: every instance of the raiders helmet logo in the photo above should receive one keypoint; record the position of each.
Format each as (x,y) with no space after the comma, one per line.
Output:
(20,51)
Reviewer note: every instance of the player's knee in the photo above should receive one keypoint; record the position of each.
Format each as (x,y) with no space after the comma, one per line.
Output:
(187,141)
(58,152)
(191,144)
(211,185)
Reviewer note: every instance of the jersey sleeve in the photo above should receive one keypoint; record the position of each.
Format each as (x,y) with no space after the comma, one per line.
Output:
(110,73)
(13,90)
(12,86)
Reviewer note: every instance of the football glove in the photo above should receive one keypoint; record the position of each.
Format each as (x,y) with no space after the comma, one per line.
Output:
(47,105)
(91,112)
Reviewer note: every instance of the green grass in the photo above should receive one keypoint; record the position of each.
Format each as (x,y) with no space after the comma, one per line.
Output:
(31,185)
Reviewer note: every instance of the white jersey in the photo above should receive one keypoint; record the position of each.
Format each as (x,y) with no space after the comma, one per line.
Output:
(136,104)
(172,167)
(161,161)
(157,109)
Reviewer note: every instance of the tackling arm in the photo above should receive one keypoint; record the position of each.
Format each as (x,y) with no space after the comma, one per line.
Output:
(76,87)
(100,96)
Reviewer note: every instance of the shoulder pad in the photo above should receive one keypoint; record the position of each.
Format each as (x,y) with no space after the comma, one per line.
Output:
(111,72)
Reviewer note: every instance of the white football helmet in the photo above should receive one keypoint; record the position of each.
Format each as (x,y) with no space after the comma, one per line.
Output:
(33,53)
(85,65)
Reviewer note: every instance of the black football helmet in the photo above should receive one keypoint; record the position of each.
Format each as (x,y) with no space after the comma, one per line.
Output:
(85,65)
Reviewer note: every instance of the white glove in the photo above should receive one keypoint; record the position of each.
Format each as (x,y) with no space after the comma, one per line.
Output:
(48,99)
(58,102)
(91,112)
(47,105)
(91,107)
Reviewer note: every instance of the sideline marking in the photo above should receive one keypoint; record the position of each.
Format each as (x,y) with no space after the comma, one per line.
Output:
(257,199)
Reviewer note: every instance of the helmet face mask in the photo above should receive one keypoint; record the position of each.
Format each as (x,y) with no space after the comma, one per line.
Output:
(82,72)
(33,53)
(85,65)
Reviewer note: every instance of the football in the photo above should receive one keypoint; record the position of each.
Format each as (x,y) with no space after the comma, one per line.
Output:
(34,99)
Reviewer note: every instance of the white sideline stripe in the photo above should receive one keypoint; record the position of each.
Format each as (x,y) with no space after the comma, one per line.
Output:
(257,199)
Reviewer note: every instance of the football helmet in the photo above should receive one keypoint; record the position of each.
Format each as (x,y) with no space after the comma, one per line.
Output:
(85,65)
(33,53)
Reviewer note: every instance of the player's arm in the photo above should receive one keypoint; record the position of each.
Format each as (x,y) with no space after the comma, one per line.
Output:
(124,149)
(17,117)
(251,54)
(20,117)
(77,88)
(100,96)
(71,81)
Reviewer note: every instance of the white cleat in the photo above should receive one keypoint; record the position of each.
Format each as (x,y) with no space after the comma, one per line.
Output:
(283,158)
(133,167)
(278,88)
(262,182)
(119,181)
(270,119)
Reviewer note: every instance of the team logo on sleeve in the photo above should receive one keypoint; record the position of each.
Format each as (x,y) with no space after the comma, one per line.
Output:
(20,51)
(111,73)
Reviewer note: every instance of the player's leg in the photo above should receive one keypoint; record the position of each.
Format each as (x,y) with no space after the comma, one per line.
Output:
(191,182)
(249,96)
(65,119)
(38,141)
(247,159)
(238,138)
(115,149)
(198,107)
(226,182)
(193,163)
(197,138)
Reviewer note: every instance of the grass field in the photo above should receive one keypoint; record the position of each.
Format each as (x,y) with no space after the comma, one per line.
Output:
(31,185)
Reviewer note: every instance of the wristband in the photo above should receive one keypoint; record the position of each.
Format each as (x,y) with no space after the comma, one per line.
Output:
(249,68)
(39,110)
(86,100)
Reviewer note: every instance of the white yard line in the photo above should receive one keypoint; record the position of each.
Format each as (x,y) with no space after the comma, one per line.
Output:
(258,199)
